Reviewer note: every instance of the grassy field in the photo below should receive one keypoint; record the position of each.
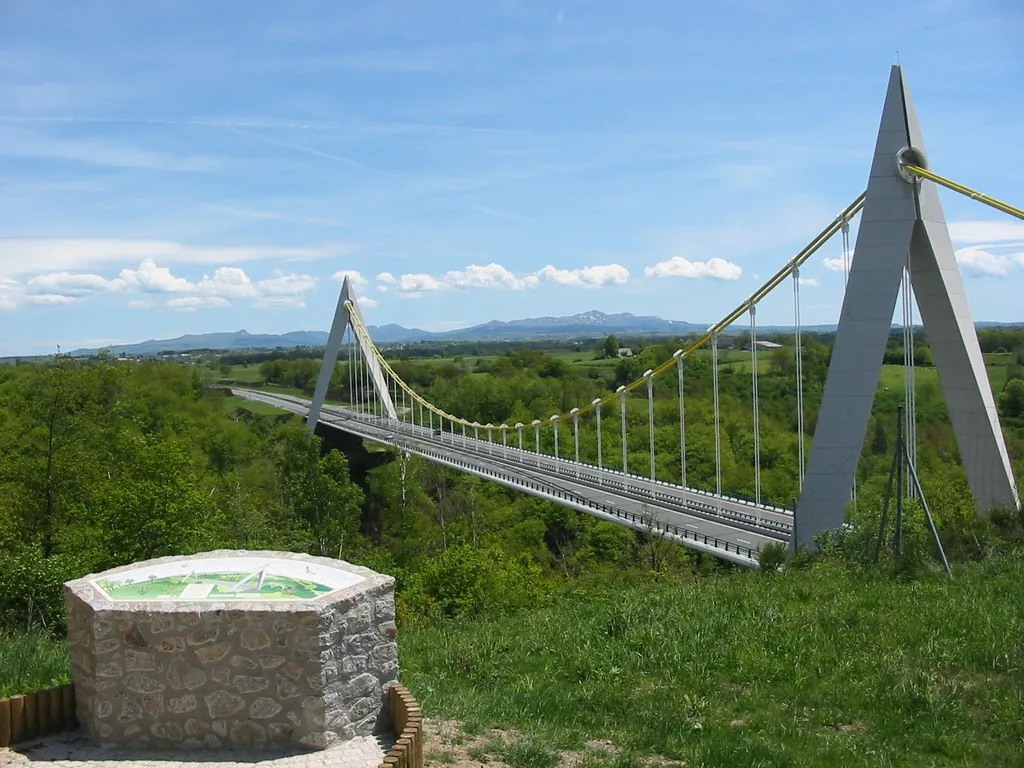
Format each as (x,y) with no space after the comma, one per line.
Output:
(816,667)
(31,662)
(232,403)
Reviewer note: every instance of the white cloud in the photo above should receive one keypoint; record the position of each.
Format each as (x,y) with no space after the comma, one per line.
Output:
(229,282)
(281,290)
(491,275)
(588,277)
(192,303)
(976,232)
(975,261)
(496,276)
(153,279)
(358,281)
(366,301)
(25,256)
(417,283)
(48,299)
(677,266)
(67,284)
(809,281)
(287,285)
(139,304)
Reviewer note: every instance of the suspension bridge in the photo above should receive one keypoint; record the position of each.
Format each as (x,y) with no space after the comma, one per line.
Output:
(903,250)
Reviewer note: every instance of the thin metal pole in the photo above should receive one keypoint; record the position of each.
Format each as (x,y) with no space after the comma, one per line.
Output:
(899,484)
(682,421)
(799,356)
(600,468)
(622,399)
(520,431)
(351,393)
(536,436)
(718,431)
(928,514)
(556,442)
(757,425)
(885,506)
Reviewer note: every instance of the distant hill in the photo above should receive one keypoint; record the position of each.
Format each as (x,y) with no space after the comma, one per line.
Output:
(592,324)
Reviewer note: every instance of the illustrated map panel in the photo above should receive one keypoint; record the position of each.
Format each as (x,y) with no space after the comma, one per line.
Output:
(226,578)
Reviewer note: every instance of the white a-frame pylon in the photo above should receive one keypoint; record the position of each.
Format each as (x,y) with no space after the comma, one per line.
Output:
(902,219)
(348,307)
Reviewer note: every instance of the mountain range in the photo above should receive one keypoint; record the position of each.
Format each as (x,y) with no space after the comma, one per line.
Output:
(587,324)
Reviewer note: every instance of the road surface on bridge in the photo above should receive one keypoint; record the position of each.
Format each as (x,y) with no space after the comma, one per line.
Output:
(729,528)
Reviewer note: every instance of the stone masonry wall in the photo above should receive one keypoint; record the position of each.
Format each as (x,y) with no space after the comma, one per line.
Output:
(211,674)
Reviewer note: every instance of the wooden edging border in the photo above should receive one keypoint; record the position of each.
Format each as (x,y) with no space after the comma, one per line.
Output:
(42,713)
(407,722)
(36,714)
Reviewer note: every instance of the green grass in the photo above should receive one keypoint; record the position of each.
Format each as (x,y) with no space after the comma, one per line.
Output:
(816,667)
(31,662)
(241,373)
(234,402)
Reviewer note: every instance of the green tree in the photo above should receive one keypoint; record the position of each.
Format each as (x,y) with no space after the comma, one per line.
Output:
(1011,399)
(320,491)
(611,346)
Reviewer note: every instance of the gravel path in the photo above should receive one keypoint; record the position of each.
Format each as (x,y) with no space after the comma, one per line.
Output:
(72,750)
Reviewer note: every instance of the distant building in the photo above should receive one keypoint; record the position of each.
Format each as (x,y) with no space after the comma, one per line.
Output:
(625,352)
(764,346)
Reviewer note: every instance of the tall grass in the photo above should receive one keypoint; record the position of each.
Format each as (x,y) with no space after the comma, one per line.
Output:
(31,661)
(816,667)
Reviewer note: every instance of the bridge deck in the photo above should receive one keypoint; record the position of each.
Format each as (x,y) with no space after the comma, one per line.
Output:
(728,528)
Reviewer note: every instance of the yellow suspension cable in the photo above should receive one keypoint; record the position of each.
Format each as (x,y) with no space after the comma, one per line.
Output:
(999,205)
(794,263)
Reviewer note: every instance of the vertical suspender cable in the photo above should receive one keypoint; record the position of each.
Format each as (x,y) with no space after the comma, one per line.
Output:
(799,357)
(361,370)
(576,437)
(718,431)
(909,377)
(845,228)
(650,420)
(682,419)
(351,391)
(757,425)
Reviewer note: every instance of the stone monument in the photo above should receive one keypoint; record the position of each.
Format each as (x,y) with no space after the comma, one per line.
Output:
(232,648)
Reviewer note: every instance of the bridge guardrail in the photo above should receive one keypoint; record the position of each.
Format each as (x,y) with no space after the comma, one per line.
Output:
(661,527)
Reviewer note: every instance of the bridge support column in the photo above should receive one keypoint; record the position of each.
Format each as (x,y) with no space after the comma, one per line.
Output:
(901,215)
(347,308)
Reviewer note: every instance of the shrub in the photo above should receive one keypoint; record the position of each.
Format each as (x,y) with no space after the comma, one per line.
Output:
(464,582)
(772,557)
(31,590)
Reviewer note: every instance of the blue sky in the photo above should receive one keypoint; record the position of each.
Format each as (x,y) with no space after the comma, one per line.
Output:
(180,167)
